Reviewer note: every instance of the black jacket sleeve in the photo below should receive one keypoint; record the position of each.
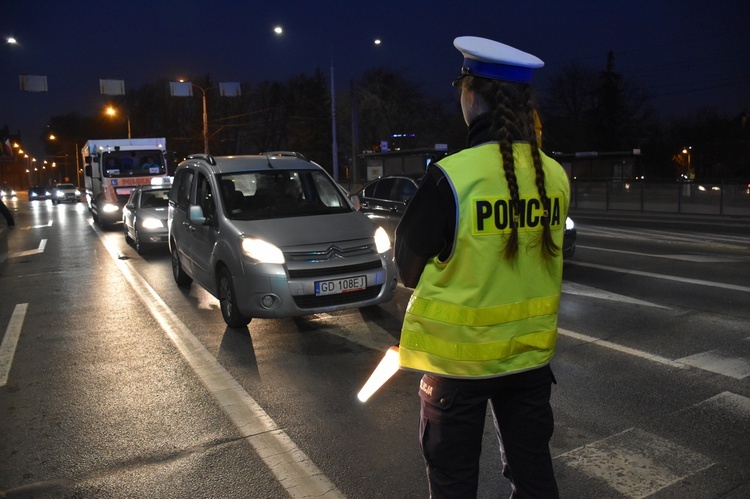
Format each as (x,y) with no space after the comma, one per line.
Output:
(427,228)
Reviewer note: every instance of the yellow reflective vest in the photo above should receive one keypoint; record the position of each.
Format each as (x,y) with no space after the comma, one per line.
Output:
(478,314)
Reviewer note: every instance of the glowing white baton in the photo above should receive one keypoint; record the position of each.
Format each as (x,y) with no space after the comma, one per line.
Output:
(387,368)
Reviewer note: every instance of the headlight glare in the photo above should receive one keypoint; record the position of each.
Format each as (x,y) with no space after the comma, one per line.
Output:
(110,208)
(152,223)
(569,225)
(382,241)
(261,251)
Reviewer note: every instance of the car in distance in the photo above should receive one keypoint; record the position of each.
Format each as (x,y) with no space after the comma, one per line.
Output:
(62,193)
(273,236)
(569,238)
(7,192)
(38,192)
(144,217)
(384,200)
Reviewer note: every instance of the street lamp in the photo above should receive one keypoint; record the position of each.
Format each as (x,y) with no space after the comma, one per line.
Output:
(111,111)
(205,114)
(278,30)
(334,142)
(182,88)
(686,151)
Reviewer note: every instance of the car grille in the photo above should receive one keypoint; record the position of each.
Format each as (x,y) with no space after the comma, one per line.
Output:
(328,271)
(333,252)
(312,301)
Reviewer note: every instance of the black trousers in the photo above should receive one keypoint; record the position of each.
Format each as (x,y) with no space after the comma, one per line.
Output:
(452,423)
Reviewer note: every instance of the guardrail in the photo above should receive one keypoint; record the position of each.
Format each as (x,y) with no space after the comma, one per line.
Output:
(700,198)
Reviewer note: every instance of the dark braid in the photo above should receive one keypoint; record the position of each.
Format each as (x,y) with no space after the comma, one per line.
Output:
(549,248)
(500,121)
(513,119)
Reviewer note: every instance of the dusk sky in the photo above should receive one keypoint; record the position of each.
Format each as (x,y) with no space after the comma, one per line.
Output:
(687,54)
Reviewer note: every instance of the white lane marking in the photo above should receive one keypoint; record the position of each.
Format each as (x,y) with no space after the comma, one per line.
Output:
(719,363)
(573,288)
(715,240)
(294,470)
(687,280)
(684,258)
(10,341)
(636,463)
(620,348)
(40,249)
(737,405)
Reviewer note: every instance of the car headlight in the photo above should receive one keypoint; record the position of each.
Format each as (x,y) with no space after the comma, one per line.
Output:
(261,251)
(152,223)
(60,194)
(569,225)
(78,193)
(110,208)
(33,194)
(382,241)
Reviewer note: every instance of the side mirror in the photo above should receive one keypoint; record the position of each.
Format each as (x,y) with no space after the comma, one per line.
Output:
(130,206)
(356,202)
(195,214)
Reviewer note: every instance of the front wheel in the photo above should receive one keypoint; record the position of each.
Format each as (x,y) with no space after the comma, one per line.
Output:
(180,277)
(228,301)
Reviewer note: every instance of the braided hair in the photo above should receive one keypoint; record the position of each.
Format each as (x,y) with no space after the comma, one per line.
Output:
(512,119)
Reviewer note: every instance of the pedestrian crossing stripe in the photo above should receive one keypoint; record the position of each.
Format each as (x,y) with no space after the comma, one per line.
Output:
(635,463)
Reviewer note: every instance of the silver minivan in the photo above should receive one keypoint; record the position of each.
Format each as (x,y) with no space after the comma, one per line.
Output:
(274,236)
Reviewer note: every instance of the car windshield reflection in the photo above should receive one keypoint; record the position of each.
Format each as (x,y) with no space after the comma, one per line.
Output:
(280,193)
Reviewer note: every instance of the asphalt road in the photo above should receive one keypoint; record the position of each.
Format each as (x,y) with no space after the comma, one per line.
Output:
(121,384)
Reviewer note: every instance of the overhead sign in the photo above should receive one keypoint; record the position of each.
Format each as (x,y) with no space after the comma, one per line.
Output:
(33,83)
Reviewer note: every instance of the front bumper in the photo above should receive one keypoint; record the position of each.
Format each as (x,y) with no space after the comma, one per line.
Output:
(269,291)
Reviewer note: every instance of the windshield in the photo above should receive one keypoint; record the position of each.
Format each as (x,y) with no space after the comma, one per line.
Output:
(132,163)
(277,194)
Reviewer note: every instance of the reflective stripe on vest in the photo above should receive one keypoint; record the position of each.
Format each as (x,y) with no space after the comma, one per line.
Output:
(478,314)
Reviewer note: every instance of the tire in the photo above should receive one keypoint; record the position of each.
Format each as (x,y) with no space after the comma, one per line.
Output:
(180,277)
(228,300)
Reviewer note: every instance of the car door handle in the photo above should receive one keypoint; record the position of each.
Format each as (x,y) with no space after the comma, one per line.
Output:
(189,226)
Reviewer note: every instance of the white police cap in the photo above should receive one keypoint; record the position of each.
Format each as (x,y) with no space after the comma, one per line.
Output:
(495,60)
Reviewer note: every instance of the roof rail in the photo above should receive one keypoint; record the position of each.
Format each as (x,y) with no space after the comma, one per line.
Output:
(291,154)
(205,157)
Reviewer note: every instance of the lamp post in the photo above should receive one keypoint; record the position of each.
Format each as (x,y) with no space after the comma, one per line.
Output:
(205,115)
(111,111)
(686,151)
(278,30)
(205,110)
(182,88)
(334,141)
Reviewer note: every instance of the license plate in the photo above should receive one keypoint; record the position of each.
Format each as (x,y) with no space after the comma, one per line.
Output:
(345,285)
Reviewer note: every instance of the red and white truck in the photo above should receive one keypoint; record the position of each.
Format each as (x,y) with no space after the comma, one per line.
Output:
(113,167)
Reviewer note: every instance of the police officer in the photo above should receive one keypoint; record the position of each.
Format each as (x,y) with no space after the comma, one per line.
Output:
(481,243)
